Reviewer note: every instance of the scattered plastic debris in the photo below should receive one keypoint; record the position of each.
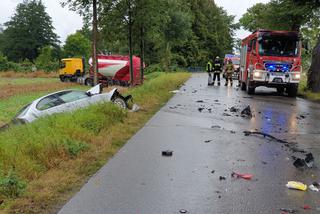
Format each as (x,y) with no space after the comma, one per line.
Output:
(183,211)
(306,207)
(307,162)
(175,91)
(316,184)
(135,108)
(216,127)
(297,185)
(244,176)
(208,141)
(288,210)
(313,188)
(200,101)
(232,132)
(246,112)
(222,178)
(200,109)
(226,114)
(213,171)
(167,153)
(248,133)
(234,109)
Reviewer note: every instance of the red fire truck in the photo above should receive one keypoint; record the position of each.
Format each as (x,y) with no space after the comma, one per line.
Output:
(271,59)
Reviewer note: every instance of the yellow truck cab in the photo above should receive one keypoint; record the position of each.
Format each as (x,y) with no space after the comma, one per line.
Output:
(71,69)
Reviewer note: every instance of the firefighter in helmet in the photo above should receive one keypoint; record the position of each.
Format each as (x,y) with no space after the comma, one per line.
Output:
(209,70)
(229,70)
(217,69)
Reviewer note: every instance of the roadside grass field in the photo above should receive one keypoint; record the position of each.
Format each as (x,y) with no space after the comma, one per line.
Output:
(18,92)
(44,163)
(305,93)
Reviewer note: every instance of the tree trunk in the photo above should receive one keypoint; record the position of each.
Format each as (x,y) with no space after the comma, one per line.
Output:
(94,44)
(130,44)
(141,54)
(314,71)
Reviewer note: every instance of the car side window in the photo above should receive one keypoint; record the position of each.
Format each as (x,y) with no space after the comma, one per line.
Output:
(49,102)
(70,96)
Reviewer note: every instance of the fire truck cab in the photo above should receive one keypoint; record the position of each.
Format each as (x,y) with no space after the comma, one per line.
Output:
(271,59)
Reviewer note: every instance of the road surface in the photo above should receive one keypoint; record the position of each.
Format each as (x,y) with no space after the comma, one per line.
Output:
(207,141)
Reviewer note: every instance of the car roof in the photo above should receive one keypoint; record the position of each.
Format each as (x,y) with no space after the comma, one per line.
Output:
(56,93)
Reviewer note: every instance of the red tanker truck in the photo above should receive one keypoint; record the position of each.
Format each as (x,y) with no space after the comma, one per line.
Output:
(272,59)
(112,70)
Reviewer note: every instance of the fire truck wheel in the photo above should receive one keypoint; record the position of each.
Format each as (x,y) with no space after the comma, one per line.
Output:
(243,86)
(280,90)
(250,89)
(292,90)
(88,82)
(121,102)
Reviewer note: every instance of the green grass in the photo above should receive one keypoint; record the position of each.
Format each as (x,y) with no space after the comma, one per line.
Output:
(25,81)
(305,93)
(50,159)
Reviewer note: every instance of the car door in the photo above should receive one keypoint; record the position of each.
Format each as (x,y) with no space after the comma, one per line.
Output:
(75,99)
(49,105)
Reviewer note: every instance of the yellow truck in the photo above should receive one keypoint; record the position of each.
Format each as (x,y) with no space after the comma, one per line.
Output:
(71,69)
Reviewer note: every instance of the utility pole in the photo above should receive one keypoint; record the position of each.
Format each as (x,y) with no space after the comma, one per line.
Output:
(141,53)
(130,43)
(94,43)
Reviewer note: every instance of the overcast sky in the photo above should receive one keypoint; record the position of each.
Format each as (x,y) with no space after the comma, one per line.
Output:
(67,22)
(238,8)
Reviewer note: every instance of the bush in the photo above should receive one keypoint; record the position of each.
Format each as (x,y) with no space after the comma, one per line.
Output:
(11,185)
(154,68)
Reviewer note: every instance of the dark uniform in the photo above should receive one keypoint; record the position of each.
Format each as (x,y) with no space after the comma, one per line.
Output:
(217,69)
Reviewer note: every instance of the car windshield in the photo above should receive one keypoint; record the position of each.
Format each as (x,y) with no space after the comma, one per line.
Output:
(278,45)
(70,96)
(62,64)
(23,111)
(49,102)
(236,62)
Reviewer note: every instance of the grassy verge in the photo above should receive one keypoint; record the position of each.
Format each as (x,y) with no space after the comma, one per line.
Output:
(305,93)
(44,163)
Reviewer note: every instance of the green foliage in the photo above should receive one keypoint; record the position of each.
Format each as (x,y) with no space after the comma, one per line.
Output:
(175,33)
(46,61)
(11,185)
(75,147)
(29,29)
(4,63)
(77,45)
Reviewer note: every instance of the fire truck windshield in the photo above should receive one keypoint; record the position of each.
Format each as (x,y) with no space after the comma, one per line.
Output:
(278,45)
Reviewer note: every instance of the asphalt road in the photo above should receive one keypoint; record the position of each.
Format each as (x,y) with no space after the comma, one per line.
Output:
(208,144)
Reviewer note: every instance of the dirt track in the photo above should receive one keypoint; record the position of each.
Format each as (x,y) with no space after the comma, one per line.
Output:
(9,90)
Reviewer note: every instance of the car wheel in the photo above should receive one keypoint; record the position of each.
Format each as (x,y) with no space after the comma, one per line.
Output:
(280,90)
(250,89)
(121,102)
(243,86)
(66,79)
(88,82)
(292,90)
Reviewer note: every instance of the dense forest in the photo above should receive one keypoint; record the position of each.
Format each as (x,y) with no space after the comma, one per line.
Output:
(170,33)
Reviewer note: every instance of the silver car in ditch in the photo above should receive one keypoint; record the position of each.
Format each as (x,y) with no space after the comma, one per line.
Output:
(67,100)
